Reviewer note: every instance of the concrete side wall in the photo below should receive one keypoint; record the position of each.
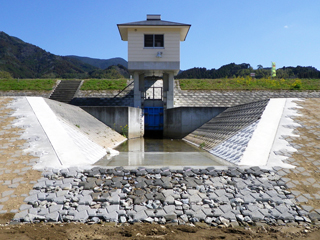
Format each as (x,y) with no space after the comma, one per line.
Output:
(184,120)
(135,123)
(124,120)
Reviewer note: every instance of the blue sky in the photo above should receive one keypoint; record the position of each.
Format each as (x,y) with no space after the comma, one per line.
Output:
(223,31)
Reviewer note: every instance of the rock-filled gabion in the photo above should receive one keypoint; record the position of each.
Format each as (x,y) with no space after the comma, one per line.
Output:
(229,196)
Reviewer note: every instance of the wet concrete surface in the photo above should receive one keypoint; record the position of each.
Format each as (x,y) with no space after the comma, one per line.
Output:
(160,152)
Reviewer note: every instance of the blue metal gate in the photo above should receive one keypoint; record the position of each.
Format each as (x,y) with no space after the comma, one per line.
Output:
(153,118)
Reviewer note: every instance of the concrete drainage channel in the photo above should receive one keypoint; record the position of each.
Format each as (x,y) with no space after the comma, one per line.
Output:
(160,152)
(217,195)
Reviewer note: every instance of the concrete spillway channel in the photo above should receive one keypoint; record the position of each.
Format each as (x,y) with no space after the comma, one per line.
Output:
(241,135)
(168,149)
(159,153)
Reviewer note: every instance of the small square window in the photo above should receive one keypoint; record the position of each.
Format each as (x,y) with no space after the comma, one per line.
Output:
(158,41)
(148,40)
(154,40)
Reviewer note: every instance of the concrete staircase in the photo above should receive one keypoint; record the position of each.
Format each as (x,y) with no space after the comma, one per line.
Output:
(66,90)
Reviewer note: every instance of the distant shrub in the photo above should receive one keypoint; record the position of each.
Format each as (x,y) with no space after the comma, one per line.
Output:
(5,75)
(296,85)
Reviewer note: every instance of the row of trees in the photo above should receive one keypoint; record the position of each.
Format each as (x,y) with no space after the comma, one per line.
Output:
(112,72)
(233,70)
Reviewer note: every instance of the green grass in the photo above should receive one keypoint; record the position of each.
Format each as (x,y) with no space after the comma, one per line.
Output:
(27,84)
(104,84)
(248,83)
(186,84)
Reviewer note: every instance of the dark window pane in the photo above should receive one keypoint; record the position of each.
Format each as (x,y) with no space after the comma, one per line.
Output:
(158,39)
(148,40)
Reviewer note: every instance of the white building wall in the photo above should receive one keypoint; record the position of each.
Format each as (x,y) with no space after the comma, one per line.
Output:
(137,52)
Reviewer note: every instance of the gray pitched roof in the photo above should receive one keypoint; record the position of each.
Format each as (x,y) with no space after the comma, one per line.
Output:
(153,23)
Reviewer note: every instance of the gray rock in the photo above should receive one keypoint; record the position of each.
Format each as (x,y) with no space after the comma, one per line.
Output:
(81,216)
(20,216)
(52,217)
(122,219)
(31,199)
(140,216)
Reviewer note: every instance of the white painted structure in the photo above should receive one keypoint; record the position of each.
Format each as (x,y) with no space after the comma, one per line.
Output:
(153,53)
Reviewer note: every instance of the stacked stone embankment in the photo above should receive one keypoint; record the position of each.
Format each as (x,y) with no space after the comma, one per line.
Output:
(236,196)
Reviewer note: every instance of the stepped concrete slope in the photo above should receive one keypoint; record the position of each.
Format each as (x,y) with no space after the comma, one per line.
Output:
(123,98)
(250,134)
(227,124)
(188,98)
(66,90)
(211,98)
(62,135)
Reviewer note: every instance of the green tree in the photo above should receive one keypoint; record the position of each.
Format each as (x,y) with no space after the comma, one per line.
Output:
(5,75)
(259,66)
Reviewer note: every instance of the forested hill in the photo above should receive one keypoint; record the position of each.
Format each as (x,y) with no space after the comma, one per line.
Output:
(101,63)
(24,60)
(233,70)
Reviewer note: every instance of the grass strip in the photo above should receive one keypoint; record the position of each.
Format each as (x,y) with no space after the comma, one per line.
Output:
(104,84)
(27,84)
(249,83)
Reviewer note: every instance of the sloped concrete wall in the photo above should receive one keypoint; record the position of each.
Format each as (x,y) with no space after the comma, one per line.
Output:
(227,124)
(181,121)
(124,120)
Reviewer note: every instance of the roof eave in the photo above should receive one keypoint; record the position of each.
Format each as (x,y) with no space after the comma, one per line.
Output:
(123,30)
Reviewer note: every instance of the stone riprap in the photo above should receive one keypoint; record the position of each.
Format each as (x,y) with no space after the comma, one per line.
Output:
(236,196)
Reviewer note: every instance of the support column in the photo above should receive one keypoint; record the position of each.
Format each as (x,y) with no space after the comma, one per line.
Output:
(170,92)
(165,88)
(136,89)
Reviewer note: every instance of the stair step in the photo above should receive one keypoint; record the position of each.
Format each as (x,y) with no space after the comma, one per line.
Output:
(65,91)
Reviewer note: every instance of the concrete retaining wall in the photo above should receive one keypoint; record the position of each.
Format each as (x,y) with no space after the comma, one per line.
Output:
(181,121)
(14,93)
(124,120)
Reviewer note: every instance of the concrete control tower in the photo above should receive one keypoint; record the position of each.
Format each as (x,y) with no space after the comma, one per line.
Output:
(153,54)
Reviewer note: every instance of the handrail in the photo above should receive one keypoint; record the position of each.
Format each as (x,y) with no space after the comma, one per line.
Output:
(123,89)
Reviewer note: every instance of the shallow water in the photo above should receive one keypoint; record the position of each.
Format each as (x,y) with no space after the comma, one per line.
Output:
(160,152)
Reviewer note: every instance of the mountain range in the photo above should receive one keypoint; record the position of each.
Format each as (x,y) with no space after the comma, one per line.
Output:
(24,60)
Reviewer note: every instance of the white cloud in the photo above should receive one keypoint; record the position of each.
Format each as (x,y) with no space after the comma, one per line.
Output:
(286,26)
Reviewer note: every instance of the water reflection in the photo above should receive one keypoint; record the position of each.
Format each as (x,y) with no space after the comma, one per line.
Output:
(159,152)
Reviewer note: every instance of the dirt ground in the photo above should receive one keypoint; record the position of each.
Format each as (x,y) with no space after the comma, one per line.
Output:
(150,231)
(309,152)
(13,160)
